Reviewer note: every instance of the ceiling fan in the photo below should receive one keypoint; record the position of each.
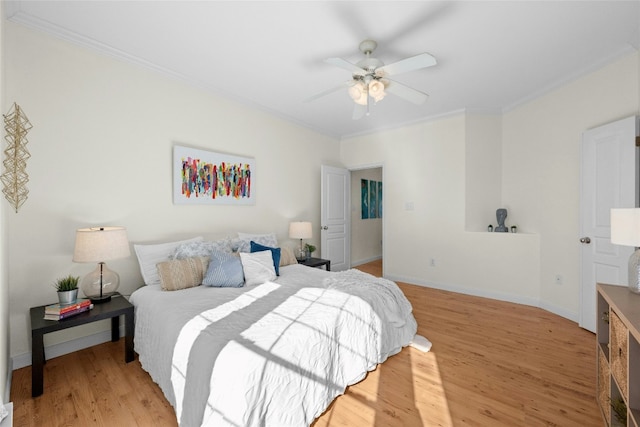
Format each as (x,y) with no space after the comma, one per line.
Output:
(370,78)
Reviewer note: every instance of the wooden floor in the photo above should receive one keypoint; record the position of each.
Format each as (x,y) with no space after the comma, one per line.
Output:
(492,364)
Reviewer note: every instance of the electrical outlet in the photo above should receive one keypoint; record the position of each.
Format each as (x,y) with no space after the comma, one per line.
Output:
(558,279)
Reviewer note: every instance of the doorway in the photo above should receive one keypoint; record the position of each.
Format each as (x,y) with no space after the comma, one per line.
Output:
(367,213)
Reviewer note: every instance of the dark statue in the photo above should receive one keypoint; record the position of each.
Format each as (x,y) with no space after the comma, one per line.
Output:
(501,215)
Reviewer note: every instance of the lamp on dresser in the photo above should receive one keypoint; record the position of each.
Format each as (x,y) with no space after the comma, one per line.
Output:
(300,230)
(625,231)
(100,244)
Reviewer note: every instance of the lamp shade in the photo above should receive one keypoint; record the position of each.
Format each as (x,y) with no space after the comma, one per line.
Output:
(625,227)
(99,244)
(300,230)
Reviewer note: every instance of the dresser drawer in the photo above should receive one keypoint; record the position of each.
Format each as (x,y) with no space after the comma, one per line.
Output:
(618,355)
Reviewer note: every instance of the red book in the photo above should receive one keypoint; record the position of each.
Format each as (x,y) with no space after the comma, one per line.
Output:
(64,308)
(68,313)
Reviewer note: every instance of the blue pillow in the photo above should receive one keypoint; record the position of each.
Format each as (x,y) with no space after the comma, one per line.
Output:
(275,254)
(224,271)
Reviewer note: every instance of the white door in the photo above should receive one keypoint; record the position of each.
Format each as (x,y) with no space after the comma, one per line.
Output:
(335,244)
(609,177)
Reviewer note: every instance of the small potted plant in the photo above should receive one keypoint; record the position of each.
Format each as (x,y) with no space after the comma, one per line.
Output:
(309,249)
(67,288)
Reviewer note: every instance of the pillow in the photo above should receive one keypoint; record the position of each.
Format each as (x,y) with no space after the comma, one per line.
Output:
(257,267)
(264,239)
(150,255)
(225,271)
(200,248)
(275,254)
(182,273)
(287,257)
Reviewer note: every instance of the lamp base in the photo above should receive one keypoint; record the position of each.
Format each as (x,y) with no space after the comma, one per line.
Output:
(99,300)
(100,284)
(634,272)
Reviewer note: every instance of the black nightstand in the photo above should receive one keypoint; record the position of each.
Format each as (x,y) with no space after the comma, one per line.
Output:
(316,262)
(109,310)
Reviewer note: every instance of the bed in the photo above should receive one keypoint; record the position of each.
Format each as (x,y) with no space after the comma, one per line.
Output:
(268,354)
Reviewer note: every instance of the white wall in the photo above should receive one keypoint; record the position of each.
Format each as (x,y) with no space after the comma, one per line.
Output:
(483,179)
(541,167)
(366,234)
(429,166)
(425,167)
(4,276)
(101,146)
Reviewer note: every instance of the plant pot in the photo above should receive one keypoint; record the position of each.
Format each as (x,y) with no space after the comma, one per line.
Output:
(67,297)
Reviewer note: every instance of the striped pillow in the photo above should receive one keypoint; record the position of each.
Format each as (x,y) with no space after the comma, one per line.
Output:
(225,271)
(182,273)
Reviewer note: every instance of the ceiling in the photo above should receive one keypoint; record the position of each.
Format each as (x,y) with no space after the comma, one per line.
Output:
(491,56)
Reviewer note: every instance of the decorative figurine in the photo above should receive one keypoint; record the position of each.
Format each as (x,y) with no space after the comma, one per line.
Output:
(490,228)
(514,229)
(501,215)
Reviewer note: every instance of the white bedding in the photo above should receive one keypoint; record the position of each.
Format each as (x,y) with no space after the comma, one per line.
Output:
(274,354)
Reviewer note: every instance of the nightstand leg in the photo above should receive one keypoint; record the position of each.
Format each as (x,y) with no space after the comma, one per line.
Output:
(37,362)
(128,336)
(115,328)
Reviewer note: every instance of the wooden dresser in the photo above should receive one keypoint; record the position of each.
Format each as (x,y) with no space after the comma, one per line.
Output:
(618,353)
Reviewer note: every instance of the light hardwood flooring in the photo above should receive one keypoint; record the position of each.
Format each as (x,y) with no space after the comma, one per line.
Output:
(492,364)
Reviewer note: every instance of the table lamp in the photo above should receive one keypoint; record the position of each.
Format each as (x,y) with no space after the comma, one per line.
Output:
(300,230)
(625,230)
(100,244)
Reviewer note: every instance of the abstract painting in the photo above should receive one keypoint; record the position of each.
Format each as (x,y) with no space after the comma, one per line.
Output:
(364,197)
(208,178)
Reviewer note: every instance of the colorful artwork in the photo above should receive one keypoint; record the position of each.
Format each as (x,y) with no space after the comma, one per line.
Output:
(206,177)
(364,192)
(379,200)
(373,198)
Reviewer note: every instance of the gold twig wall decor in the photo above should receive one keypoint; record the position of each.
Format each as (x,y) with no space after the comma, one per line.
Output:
(15,177)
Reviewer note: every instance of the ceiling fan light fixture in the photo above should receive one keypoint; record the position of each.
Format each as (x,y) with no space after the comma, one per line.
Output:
(376,90)
(358,92)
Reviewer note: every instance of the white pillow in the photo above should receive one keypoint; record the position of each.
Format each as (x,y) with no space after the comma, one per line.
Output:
(268,239)
(151,255)
(258,267)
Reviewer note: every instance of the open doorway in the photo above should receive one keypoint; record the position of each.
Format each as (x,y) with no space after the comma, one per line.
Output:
(367,196)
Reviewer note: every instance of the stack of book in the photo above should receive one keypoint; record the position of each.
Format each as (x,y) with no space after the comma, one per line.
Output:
(62,311)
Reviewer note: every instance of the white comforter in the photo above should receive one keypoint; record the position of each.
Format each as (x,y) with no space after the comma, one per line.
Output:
(274,354)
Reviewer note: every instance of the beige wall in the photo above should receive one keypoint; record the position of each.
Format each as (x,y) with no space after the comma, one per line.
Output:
(366,234)
(101,146)
(427,244)
(438,168)
(541,167)
(4,276)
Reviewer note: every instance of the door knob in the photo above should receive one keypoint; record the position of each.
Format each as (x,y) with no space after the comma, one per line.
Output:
(324,227)
(585,240)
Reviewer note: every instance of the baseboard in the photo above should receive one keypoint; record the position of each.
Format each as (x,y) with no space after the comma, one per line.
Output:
(518,299)
(22,360)
(7,390)
(364,261)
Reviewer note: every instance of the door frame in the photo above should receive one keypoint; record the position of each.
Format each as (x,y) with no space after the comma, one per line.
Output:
(583,321)
(384,209)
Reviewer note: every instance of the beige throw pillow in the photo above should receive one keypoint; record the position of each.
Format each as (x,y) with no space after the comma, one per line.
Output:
(287,257)
(182,273)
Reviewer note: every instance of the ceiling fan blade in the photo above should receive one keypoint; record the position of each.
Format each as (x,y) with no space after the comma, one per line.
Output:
(343,63)
(423,60)
(328,91)
(359,111)
(407,93)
